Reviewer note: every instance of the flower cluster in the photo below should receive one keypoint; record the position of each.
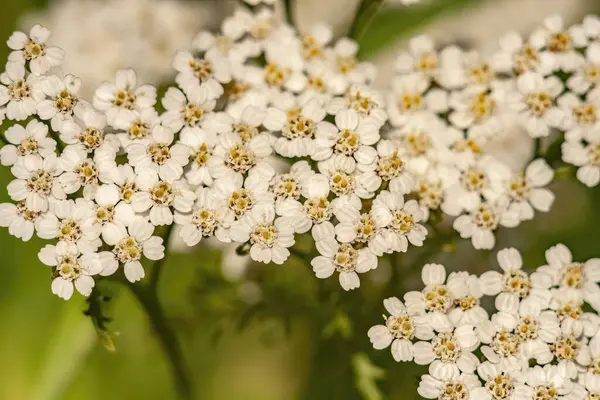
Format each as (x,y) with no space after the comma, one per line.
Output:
(540,317)
(364,170)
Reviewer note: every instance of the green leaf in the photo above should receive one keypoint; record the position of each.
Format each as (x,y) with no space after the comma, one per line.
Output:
(392,24)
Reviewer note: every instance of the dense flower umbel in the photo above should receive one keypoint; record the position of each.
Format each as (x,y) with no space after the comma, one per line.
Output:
(368,167)
(539,317)
(368,171)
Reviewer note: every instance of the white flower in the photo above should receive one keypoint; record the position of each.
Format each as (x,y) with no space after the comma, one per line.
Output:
(129,246)
(62,102)
(392,167)
(502,345)
(534,101)
(351,137)
(136,126)
(185,111)
(70,269)
(37,181)
(536,329)
(446,303)
(19,94)
(477,110)
(298,124)
(259,26)
(245,122)
(210,216)
(519,56)
(454,387)
(269,237)
(25,141)
(71,222)
(357,227)
(344,65)
(565,273)
(313,211)
(421,57)
(158,196)
(409,99)
(525,190)
(243,198)
(363,99)
(208,73)
(110,208)
(160,154)
(227,44)
(124,178)
(473,183)
(346,182)
(315,41)
(561,42)
(580,115)
(398,222)
(568,305)
(550,381)
(233,158)
(32,48)
(343,258)
(400,329)
(89,133)
(284,67)
(499,384)
(479,224)
(201,144)
(585,155)
(513,284)
(588,76)
(461,68)
(591,377)
(19,220)
(80,171)
(449,352)
(121,98)
(430,195)
(289,185)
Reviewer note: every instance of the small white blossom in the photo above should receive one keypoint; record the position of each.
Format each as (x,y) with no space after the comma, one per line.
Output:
(34,50)
(131,244)
(70,269)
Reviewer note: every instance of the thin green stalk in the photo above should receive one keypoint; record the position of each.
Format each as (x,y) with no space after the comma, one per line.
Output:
(537,148)
(363,16)
(3,138)
(167,339)
(289,11)
(59,144)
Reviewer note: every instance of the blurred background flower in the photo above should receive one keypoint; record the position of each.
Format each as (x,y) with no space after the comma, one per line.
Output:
(249,331)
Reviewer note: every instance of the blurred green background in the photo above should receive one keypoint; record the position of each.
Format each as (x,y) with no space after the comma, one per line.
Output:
(300,338)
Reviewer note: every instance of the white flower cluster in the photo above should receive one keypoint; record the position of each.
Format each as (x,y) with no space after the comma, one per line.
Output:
(139,34)
(366,168)
(540,320)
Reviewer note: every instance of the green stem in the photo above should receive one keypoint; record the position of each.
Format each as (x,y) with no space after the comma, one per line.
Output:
(166,337)
(60,146)
(289,11)
(154,274)
(363,16)
(553,152)
(537,148)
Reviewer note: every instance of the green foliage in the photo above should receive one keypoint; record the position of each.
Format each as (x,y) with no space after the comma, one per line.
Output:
(395,23)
